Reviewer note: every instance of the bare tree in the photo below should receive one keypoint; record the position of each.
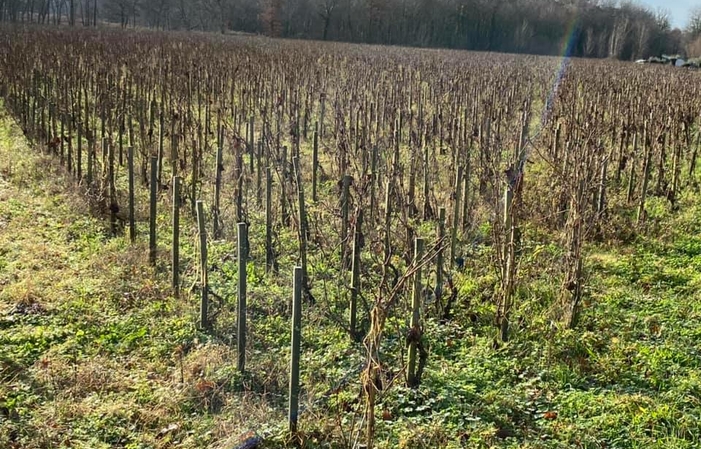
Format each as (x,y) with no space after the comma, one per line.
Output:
(119,10)
(623,30)
(693,28)
(325,11)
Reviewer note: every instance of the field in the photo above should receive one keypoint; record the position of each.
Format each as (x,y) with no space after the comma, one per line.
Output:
(488,250)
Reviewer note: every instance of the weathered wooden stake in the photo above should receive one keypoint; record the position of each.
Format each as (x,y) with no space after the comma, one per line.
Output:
(302,221)
(174,154)
(161,139)
(601,196)
(61,145)
(91,159)
(195,169)
(373,181)
(675,173)
(439,254)
(112,191)
(355,277)
(239,186)
(259,173)
(296,343)
(322,128)
(456,216)
(415,326)
(251,140)
(345,203)
(508,249)
(646,177)
(152,210)
(284,213)
(79,154)
(631,176)
(427,212)
(69,155)
(466,192)
(269,252)
(204,282)
(217,191)
(387,222)
(175,274)
(692,162)
(315,162)
(121,139)
(132,224)
(242,256)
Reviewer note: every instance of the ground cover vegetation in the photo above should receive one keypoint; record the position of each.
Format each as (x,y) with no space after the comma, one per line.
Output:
(489,250)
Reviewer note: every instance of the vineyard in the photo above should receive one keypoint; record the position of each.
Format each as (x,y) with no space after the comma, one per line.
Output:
(332,245)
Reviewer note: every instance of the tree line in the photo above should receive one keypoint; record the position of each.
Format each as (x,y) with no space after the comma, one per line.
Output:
(583,28)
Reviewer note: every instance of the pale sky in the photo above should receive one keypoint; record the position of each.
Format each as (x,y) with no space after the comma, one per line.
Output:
(678,9)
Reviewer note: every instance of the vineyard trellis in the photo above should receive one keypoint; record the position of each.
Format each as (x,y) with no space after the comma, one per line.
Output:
(403,144)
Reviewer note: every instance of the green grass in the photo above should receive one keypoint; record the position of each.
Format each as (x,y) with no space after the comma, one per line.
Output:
(96,353)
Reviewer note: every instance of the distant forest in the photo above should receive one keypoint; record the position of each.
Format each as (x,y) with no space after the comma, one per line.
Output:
(593,28)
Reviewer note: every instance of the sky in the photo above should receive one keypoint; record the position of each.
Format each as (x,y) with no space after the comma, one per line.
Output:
(678,9)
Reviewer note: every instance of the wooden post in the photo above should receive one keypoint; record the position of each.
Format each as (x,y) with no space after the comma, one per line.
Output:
(269,252)
(296,343)
(439,254)
(456,216)
(345,201)
(132,224)
(427,211)
(302,221)
(121,136)
(175,277)
(675,172)
(388,218)
(601,197)
(373,181)
(239,185)
(251,131)
(411,194)
(152,210)
(321,117)
(217,189)
(91,153)
(646,177)
(315,162)
(355,277)
(193,194)
(174,154)
(284,213)
(622,146)
(259,173)
(692,161)
(662,161)
(61,144)
(466,191)
(69,155)
(111,189)
(242,257)
(631,176)
(79,153)
(103,139)
(105,161)
(204,283)
(508,263)
(415,327)
(161,138)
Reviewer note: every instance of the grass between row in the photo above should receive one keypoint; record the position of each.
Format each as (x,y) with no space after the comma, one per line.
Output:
(96,353)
